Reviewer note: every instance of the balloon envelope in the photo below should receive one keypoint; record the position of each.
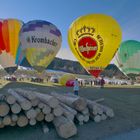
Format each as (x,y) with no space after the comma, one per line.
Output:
(66,79)
(9,43)
(70,83)
(128,56)
(94,39)
(40,40)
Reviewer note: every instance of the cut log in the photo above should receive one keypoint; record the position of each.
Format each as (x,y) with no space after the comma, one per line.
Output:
(13,123)
(4,109)
(15,108)
(31,113)
(38,110)
(107,110)
(86,118)
(2,125)
(93,107)
(77,103)
(10,99)
(24,103)
(7,120)
(73,111)
(101,108)
(80,117)
(58,111)
(41,105)
(96,118)
(40,116)
(29,95)
(85,111)
(45,98)
(2,97)
(45,127)
(99,100)
(68,114)
(34,102)
(46,109)
(64,127)
(26,93)
(103,117)
(49,117)
(14,117)
(32,122)
(22,121)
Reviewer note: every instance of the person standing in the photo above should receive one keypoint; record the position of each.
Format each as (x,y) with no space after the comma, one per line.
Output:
(76,87)
(102,82)
(91,82)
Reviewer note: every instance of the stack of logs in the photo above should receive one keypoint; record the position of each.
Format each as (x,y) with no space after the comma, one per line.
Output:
(22,107)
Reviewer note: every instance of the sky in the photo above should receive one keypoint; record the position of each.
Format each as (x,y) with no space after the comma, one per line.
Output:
(63,12)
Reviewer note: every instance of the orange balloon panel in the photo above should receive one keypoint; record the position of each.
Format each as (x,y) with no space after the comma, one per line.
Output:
(5,33)
(10,32)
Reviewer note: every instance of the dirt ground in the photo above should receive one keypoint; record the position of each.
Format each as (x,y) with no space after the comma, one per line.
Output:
(124,101)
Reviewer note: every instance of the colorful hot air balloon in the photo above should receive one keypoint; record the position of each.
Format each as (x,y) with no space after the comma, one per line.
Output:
(67,79)
(128,56)
(40,40)
(9,43)
(94,39)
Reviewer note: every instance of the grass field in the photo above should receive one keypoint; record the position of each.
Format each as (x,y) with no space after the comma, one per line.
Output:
(125,102)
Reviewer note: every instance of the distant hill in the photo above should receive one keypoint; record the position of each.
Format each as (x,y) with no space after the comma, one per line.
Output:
(75,67)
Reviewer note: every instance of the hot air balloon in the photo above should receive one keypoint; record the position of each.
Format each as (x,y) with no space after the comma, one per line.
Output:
(67,80)
(94,39)
(40,40)
(9,43)
(128,56)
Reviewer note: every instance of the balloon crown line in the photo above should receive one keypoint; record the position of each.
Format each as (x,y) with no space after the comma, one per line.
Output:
(85,30)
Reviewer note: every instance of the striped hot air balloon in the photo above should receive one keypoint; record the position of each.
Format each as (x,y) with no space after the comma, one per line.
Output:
(9,43)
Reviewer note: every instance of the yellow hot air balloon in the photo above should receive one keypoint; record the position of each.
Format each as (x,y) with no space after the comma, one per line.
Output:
(94,39)
(65,78)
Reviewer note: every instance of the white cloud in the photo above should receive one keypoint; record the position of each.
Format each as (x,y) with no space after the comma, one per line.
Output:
(65,53)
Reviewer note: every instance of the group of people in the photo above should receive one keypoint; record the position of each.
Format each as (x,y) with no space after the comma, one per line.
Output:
(76,85)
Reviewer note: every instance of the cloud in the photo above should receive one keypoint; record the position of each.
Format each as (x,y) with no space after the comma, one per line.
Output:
(65,53)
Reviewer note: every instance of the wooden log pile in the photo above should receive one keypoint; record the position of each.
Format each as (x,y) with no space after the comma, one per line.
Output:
(24,107)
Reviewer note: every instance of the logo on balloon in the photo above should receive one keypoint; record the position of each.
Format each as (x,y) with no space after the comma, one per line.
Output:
(45,40)
(88,47)
(28,39)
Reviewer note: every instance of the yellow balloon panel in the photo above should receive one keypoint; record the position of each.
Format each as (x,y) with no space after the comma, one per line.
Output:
(39,58)
(94,39)
(14,28)
(65,78)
